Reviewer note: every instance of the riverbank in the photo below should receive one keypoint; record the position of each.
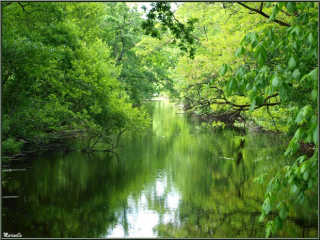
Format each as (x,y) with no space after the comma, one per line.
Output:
(250,124)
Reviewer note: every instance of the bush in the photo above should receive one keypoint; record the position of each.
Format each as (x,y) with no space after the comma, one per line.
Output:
(11,146)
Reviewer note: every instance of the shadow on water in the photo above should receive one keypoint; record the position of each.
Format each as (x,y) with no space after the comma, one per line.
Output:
(179,180)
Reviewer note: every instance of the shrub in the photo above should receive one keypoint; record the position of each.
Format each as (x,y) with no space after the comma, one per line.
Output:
(11,146)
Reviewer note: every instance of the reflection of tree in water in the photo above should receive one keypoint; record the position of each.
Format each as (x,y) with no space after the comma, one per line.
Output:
(69,197)
(239,185)
(124,218)
(199,222)
(228,206)
(87,196)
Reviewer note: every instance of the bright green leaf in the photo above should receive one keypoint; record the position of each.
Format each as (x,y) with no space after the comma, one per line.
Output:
(262,216)
(267,208)
(303,167)
(314,94)
(275,81)
(292,63)
(306,175)
(268,231)
(301,159)
(296,74)
(314,74)
(294,188)
(253,104)
(297,135)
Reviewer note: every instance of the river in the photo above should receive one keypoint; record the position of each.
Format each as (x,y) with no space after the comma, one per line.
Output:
(178,180)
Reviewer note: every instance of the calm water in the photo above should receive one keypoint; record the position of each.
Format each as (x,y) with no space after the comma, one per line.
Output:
(179,180)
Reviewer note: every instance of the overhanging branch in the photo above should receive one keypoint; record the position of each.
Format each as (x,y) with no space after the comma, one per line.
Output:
(263,14)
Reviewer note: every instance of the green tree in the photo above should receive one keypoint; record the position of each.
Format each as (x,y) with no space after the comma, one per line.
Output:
(59,75)
(275,64)
(144,69)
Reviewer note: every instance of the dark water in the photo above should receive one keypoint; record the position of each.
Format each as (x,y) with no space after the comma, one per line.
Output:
(177,181)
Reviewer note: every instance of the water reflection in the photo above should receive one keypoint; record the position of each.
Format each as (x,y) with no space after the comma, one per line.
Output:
(177,181)
(155,205)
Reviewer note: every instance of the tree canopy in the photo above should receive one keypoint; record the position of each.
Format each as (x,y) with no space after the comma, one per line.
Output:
(59,74)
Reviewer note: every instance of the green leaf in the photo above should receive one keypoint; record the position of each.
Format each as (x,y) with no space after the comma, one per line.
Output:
(260,179)
(291,6)
(259,100)
(301,159)
(254,37)
(274,12)
(261,59)
(278,223)
(297,135)
(240,73)
(268,230)
(262,216)
(314,94)
(283,92)
(275,81)
(293,189)
(281,4)
(277,185)
(292,63)
(301,198)
(253,104)
(314,74)
(246,39)
(254,44)
(240,51)
(231,85)
(296,74)
(304,112)
(270,186)
(311,38)
(266,208)
(305,18)
(223,69)
(306,175)
(283,212)
(303,167)
(263,52)
(293,147)
(311,53)
(315,136)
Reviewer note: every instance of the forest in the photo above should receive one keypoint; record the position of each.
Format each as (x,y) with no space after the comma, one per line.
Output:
(85,68)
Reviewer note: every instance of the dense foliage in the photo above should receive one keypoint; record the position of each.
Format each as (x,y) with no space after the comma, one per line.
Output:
(70,67)
(62,71)
(243,63)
